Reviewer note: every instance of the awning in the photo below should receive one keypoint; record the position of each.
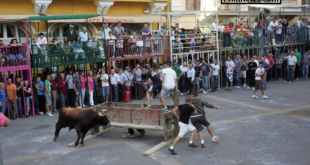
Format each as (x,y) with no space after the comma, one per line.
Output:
(13,18)
(64,17)
(114,19)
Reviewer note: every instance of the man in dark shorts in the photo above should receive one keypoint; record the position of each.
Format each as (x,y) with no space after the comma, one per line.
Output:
(185,112)
(259,77)
(154,83)
(200,120)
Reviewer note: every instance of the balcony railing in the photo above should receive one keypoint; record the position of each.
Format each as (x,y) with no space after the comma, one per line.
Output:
(62,54)
(147,46)
(12,56)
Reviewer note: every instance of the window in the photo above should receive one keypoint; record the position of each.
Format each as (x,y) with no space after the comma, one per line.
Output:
(191,5)
(1,31)
(10,31)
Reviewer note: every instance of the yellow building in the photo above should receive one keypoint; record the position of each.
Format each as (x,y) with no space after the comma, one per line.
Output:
(133,13)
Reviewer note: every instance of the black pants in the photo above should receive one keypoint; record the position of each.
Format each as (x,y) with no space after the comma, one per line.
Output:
(121,89)
(41,100)
(252,79)
(190,85)
(71,97)
(297,71)
(139,86)
(131,131)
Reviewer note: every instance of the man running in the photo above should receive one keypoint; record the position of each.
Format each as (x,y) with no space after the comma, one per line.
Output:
(185,112)
(154,83)
(200,120)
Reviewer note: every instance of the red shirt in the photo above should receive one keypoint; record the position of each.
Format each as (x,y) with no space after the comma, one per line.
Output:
(54,85)
(230,28)
(271,61)
(63,88)
(239,25)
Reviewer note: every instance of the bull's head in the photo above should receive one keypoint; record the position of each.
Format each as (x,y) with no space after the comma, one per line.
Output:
(102,115)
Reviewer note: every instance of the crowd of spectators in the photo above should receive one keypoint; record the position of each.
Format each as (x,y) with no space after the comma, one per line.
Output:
(273,31)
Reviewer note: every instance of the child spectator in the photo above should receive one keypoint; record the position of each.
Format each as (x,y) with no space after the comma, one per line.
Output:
(279,32)
(119,46)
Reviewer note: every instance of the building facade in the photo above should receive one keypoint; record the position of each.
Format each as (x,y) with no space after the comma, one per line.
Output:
(132,13)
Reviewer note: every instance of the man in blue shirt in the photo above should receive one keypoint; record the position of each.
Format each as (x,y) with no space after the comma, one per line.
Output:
(118,30)
(162,32)
(40,91)
(237,71)
(121,85)
(266,67)
(138,74)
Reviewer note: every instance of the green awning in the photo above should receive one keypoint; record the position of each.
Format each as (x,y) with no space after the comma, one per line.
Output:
(62,17)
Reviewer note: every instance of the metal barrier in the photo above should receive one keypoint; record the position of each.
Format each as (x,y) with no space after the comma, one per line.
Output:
(66,53)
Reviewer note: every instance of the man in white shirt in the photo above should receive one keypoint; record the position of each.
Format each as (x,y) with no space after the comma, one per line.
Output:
(105,30)
(169,84)
(259,73)
(84,35)
(291,65)
(214,27)
(114,83)
(230,67)
(182,77)
(93,47)
(42,42)
(215,73)
(270,31)
(190,78)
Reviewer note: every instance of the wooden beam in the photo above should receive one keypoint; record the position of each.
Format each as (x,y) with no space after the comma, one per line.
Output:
(92,136)
(159,146)
(135,126)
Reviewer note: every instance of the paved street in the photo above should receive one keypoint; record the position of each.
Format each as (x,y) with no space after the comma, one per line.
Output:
(252,132)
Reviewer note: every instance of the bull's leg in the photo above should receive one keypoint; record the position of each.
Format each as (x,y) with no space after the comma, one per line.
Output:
(78,131)
(82,139)
(58,128)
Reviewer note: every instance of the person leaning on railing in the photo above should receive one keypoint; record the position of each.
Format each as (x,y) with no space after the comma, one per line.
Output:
(240,37)
(93,47)
(293,31)
(67,47)
(227,38)
(78,49)
(54,51)
(132,41)
(34,48)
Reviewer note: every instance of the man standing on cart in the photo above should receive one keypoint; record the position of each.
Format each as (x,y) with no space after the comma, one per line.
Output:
(154,83)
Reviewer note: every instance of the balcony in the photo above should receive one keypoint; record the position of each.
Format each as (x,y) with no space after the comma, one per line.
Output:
(14,57)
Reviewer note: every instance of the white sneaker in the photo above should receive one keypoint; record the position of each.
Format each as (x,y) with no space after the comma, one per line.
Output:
(84,105)
(49,114)
(265,97)
(235,86)
(190,51)
(254,97)
(290,82)
(204,91)
(284,81)
(238,86)
(248,88)
(244,85)
(181,94)
(273,43)
(79,107)
(215,138)
(297,79)
(151,98)
(41,113)
(253,88)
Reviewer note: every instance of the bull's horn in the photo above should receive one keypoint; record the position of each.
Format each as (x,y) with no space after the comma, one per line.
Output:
(100,114)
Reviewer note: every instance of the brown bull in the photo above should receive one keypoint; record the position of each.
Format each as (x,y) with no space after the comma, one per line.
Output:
(80,119)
